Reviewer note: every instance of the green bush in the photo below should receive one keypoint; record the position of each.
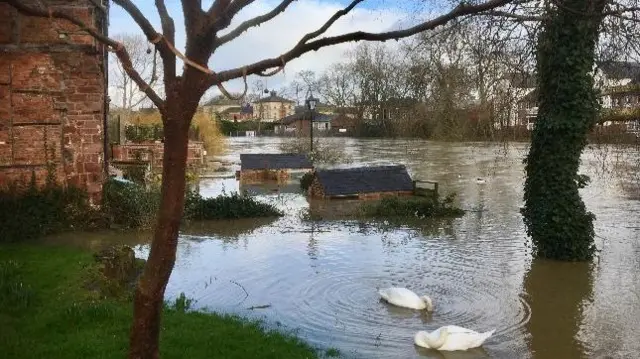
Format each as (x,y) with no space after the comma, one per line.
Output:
(420,207)
(306,180)
(130,205)
(39,212)
(141,133)
(226,207)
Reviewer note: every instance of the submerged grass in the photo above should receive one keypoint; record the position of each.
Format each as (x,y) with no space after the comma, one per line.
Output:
(411,207)
(46,312)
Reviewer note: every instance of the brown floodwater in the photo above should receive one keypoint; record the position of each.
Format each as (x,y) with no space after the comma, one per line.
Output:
(319,278)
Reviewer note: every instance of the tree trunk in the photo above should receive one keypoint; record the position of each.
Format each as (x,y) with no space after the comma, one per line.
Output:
(149,296)
(555,216)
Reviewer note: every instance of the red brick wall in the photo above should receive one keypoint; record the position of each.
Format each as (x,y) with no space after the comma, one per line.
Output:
(154,152)
(51,98)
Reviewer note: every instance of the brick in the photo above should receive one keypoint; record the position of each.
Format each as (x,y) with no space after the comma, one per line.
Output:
(6,24)
(29,145)
(5,147)
(38,30)
(5,68)
(36,72)
(33,108)
(5,107)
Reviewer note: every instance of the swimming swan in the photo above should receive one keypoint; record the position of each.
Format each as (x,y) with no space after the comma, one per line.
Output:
(450,338)
(480,180)
(403,297)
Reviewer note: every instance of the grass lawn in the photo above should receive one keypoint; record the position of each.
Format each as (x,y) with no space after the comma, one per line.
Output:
(45,312)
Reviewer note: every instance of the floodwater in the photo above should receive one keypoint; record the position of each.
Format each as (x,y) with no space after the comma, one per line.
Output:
(319,278)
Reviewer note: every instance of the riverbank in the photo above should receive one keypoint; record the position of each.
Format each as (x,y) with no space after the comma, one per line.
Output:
(47,310)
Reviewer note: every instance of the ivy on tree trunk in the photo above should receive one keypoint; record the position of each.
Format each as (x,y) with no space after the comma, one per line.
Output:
(554,213)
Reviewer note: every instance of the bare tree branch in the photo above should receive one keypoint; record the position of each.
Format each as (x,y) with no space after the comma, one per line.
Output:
(302,47)
(169,30)
(193,12)
(216,8)
(513,15)
(118,48)
(329,22)
(256,21)
(224,19)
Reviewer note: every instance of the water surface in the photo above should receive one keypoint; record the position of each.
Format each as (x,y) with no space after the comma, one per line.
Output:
(319,278)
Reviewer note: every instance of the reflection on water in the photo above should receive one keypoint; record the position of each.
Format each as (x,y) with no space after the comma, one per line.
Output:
(557,293)
(320,276)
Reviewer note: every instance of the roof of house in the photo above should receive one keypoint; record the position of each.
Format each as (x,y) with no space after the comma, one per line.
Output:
(274,98)
(273,161)
(317,117)
(618,70)
(350,181)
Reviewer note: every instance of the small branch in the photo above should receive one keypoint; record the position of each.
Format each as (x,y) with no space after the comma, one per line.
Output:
(118,48)
(302,47)
(169,30)
(514,16)
(246,294)
(256,21)
(224,19)
(329,22)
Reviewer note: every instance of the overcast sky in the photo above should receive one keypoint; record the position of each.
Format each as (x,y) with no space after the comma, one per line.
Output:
(281,33)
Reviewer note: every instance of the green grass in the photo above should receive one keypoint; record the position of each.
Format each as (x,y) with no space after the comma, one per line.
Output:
(46,312)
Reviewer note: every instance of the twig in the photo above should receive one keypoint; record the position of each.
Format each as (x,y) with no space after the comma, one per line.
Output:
(246,294)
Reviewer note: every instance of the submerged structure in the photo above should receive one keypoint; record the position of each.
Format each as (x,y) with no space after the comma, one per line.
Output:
(259,167)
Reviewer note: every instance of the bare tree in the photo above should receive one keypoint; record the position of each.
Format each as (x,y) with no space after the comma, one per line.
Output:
(145,61)
(205,33)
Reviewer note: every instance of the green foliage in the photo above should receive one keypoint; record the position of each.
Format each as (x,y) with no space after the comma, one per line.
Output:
(15,295)
(67,321)
(39,212)
(420,207)
(306,180)
(130,205)
(182,304)
(226,207)
(332,353)
(554,214)
(142,133)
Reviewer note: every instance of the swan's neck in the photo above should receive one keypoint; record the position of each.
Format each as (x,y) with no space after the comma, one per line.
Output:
(427,302)
(435,342)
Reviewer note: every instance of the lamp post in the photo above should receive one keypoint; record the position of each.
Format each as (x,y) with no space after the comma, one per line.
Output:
(311,105)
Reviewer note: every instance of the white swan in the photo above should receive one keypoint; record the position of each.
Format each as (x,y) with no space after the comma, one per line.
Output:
(451,337)
(403,297)
(480,181)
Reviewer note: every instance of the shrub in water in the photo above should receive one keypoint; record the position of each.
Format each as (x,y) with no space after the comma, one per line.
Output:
(129,204)
(421,207)
(305,181)
(226,207)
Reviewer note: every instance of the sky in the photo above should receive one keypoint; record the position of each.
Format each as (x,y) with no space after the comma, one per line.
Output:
(281,33)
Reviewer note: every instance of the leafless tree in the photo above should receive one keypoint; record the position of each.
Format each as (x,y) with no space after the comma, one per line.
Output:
(145,61)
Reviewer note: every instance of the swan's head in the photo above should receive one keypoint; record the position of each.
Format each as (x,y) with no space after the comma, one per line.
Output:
(427,302)
(431,340)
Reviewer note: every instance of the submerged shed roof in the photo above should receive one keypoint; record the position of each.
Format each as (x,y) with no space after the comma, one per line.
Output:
(273,161)
(351,181)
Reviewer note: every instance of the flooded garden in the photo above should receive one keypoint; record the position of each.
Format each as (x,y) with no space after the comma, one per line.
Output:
(319,277)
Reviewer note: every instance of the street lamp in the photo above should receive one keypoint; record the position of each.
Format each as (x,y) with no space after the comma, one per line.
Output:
(311,105)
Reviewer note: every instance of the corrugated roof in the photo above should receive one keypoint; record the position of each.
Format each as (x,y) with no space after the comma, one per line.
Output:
(273,161)
(351,181)
(618,70)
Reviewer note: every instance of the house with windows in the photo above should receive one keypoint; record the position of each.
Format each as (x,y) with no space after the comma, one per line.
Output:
(618,83)
(273,108)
